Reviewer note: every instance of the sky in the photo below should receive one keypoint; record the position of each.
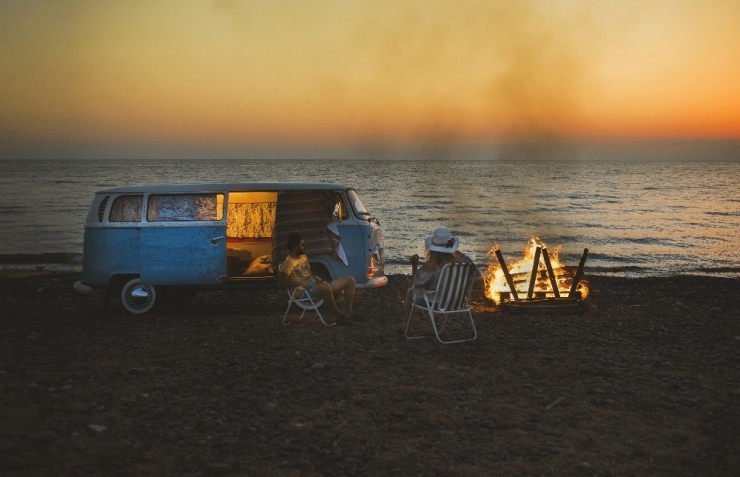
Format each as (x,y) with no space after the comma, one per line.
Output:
(351,78)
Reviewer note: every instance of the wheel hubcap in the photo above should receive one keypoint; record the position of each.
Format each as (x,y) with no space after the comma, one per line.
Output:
(140,295)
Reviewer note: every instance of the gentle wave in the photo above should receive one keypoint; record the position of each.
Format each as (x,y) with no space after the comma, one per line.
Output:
(644,218)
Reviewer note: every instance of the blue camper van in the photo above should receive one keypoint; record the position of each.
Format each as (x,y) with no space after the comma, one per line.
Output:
(147,244)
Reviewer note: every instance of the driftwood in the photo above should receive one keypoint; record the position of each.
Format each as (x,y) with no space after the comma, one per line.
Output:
(555,403)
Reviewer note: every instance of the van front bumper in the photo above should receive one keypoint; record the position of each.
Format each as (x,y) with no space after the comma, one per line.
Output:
(374,282)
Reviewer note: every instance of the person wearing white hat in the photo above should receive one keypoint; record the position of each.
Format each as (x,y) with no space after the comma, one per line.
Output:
(442,248)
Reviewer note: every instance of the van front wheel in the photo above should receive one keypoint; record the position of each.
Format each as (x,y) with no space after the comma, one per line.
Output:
(138,298)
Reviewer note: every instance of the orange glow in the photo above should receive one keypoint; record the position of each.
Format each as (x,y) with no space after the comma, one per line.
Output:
(521,270)
(231,73)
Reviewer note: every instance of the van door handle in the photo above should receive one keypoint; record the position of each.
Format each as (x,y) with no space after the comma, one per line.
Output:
(215,240)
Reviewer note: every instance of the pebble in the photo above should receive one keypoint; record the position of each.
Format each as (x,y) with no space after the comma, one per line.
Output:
(96,428)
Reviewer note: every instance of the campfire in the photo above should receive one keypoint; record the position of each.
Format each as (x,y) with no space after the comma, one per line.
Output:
(537,282)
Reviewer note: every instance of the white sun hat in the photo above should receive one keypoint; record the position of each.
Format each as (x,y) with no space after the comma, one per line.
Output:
(442,241)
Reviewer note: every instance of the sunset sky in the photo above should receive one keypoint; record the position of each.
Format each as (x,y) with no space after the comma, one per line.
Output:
(239,78)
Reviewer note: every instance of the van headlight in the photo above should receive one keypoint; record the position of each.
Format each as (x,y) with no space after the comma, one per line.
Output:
(374,262)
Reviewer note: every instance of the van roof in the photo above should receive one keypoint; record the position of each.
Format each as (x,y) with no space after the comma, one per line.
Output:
(222,187)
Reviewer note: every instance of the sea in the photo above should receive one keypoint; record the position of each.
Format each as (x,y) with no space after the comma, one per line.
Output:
(635,219)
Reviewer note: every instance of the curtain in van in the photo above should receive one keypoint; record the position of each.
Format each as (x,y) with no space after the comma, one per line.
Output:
(307,213)
(251,220)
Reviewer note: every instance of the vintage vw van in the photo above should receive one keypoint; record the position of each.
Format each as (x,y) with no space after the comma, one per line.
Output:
(147,244)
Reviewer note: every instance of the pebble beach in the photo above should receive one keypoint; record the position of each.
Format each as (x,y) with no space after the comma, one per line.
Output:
(645,380)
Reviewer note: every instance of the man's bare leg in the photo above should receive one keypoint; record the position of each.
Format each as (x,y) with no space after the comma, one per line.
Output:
(324,292)
(348,286)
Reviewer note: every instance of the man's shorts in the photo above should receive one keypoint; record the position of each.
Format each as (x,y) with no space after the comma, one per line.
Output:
(310,292)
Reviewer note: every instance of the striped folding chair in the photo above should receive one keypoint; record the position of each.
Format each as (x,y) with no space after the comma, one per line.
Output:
(452,297)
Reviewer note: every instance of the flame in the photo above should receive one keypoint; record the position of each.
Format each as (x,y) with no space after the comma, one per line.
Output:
(521,272)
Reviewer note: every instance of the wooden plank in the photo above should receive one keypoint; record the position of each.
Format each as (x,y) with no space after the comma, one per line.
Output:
(535,267)
(579,273)
(505,269)
(550,273)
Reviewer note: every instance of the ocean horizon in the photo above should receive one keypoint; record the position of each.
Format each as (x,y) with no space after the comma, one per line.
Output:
(636,218)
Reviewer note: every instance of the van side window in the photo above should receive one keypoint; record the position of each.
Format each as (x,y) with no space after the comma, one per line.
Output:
(185,207)
(126,208)
(357,203)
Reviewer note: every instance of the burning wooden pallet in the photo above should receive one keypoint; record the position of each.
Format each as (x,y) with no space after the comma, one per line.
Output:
(548,290)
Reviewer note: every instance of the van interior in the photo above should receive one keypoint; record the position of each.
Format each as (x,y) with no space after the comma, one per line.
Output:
(249,234)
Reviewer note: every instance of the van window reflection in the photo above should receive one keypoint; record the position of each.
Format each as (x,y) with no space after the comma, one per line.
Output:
(126,208)
(184,207)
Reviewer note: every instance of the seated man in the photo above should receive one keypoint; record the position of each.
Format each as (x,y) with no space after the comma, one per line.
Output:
(295,271)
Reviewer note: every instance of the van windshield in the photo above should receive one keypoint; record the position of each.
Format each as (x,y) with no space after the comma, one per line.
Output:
(357,204)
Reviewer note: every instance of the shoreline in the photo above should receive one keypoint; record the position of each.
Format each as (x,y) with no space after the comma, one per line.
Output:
(38,258)
(19,264)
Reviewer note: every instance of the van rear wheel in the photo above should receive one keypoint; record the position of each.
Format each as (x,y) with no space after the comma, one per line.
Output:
(138,298)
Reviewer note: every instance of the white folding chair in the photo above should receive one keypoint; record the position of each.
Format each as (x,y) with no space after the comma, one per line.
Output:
(451,297)
(296,296)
